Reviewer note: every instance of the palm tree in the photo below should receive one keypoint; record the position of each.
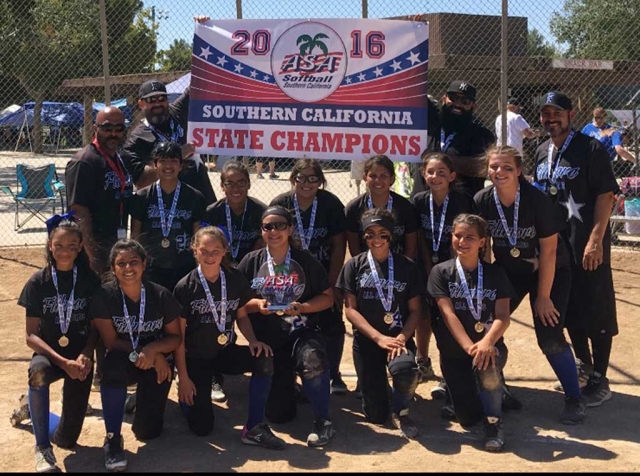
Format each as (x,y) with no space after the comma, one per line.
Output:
(308,44)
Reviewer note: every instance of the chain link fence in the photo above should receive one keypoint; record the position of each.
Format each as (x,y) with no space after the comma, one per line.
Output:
(51,70)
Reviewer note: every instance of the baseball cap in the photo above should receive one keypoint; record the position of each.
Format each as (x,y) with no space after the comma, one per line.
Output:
(464,88)
(557,99)
(152,88)
(514,101)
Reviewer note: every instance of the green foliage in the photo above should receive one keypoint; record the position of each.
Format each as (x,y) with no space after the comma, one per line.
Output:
(307,44)
(538,46)
(599,29)
(177,57)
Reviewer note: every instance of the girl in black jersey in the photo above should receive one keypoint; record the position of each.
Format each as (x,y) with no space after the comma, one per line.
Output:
(524,228)
(237,212)
(436,207)
(213,297)
(138,322)
(319,225)
(165,216)
(472,299)
(382,297)
(379,175)
(56,300)
(292,291)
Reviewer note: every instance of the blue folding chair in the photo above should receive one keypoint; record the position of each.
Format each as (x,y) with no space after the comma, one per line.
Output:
(39,187)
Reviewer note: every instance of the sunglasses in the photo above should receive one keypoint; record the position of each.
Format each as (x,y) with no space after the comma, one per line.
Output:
(238,184)
(279,225)
(108,127)
(383,236)
(302,178)
(154,99)
(465,101)
(598,117)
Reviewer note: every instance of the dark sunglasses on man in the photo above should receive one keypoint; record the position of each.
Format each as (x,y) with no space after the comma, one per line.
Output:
(279,225)
(154,99)
(302,178)
(109,127)
(465,101)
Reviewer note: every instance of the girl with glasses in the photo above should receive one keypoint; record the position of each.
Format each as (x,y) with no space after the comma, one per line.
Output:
(165,216)
(382,293)
(138,322)
(291,292)
(320,225)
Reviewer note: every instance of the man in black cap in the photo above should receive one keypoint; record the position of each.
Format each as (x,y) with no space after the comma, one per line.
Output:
(517,126)
(462,138)
(575,170)
(164,122)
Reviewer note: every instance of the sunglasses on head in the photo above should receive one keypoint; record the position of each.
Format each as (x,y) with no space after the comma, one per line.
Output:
(152,99)
(108,127)
(279,225)
(302,178)
(465,101)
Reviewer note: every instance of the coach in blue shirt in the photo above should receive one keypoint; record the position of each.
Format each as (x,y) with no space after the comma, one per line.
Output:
(610,136)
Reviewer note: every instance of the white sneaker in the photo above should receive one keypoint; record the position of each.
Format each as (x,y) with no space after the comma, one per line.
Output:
(217,393)
(45,460)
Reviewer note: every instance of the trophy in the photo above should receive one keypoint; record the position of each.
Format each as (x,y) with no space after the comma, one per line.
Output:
(283,288)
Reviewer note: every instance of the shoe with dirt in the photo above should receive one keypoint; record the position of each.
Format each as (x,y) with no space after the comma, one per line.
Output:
(130,403)
(114,458)
(404,423)
(425,370)
(338,387)
(509,400)
(21,413)
(217,393)
(575,411)
(493,435)
(597,390)
(273,176)
(584,370)
(439,392)
(260,176)
(322,433)
(261,435)
(45,460)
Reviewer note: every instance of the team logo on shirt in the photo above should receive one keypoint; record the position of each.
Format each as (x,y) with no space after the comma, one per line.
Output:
(282,289)
(148,327)
(50,305)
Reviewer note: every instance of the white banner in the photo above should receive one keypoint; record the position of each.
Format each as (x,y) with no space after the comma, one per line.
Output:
(325,89)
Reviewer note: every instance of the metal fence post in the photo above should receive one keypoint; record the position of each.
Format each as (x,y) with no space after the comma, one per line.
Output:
(105,54)
(504,67)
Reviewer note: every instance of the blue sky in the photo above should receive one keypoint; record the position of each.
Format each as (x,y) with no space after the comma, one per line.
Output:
(179,23)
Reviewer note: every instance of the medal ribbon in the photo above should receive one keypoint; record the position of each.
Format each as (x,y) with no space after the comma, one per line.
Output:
(553,167)
(386,301)
(436,244)
(389,202)
(121,172)
(174,137)
(127,318)
(513,235)
(234,249)
(445,143)
(475,312)
(287,263)
(165,223)
(64,316)
(305,237)
(222,319)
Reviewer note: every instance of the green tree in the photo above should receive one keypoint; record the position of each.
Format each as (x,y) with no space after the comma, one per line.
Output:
(599,29)
(177,57)
(307,44)
(45,42)
(538,46)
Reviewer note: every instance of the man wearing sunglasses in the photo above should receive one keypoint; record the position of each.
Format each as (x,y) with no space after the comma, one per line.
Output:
(164,122)
(462,137)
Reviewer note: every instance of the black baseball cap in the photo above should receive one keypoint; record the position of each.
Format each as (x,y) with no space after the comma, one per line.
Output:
(464,88)
(514,101)
(557,99)
(152,88)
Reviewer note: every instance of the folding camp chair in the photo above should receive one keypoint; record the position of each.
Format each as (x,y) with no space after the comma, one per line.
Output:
(39,187)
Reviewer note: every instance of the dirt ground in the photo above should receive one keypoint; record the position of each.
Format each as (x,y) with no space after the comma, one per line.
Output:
(535,440)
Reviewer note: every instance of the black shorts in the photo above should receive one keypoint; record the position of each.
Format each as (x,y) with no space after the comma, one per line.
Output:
(592,302)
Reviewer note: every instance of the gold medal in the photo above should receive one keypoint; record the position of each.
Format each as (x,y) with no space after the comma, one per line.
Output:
(63,341)
(479,327)
(435,258)
(553,190)
(165,243)
(280,313)
(388,318)
(515,252)
(223,339)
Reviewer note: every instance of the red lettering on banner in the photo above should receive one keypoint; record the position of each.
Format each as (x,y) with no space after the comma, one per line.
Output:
(312,142)
(295,140)
(399,145)
(365,147)
(353,140)
(212,134)
(277,140)
(331,142)
(197,137)
(380,144)
(241,135)
(414,145)
(226,141)
(256,140)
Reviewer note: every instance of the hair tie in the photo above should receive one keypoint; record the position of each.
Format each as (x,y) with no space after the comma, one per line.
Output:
(53,222)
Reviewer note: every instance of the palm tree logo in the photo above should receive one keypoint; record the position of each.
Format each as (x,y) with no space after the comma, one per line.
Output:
(308,44)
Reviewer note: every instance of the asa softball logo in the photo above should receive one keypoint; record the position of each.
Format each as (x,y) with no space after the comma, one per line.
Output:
(309,61)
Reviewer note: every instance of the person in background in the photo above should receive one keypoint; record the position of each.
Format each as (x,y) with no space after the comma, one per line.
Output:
(517,126)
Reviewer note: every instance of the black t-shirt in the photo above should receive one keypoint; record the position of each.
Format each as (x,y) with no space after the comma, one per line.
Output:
(202,332)
(273,329)
(161,308)
(537,218)
(92,183)
(40,299)
(330,221)
(445,282)
(138,146)
(356,278)
(245,232)
(584,172)
(404,212)
(189,210)
(459,202)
